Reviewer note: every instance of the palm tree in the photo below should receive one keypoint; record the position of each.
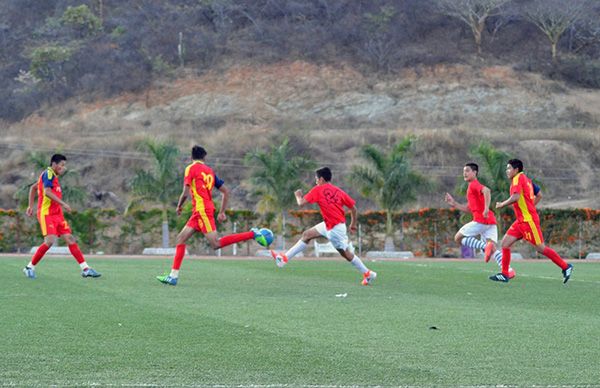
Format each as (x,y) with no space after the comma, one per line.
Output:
(161,183)
(276,174)
(389,180)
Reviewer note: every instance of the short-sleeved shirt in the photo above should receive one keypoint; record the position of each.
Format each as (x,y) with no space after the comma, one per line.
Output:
(476,204)
(46,206)
(331,200)
(201,179)
(525,207)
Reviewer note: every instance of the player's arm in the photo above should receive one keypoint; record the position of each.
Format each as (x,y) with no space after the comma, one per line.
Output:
(452,202)
(222,217)
(29,210)
(487,199)
(48,193)
(512,199)
(353,218)
(300,198)
(537,192)
(185,193)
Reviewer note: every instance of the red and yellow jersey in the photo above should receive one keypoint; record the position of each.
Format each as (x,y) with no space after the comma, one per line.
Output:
(476,204)
(525,207)
(47,206)
(331,200)
(201,179)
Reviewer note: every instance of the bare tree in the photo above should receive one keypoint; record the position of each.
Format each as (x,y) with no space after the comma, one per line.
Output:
(473,13)
(554,17)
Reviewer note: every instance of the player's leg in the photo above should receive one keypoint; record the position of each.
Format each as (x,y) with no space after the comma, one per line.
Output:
(490,235)
(86,270)
(186,232)
(467,235)
(48,229)
(537,240)
(316,231)
(512,235)
(338,236)
(217,243)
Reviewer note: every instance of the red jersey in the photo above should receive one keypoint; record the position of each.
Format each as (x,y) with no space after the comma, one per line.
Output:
(201,179)
(331,200)
(47,206)
(476,204)
(525,206)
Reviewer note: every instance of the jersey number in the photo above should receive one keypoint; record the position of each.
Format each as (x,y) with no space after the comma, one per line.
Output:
(209,181)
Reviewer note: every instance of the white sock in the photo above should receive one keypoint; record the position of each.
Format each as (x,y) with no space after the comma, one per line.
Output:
(174,273)
(30,265)
(293,251)
(83,265)
(358,264)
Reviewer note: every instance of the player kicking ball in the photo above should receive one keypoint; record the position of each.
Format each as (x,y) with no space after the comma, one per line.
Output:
(331,200)
(198,183)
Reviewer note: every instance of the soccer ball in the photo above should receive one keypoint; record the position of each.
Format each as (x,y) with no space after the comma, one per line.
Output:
(265,237)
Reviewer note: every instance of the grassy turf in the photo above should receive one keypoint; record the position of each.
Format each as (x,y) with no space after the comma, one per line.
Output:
(250,323)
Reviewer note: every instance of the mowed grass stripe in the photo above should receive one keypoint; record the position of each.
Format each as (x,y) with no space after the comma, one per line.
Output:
(247,322)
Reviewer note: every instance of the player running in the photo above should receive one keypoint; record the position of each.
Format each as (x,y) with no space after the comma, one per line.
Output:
(484,220)
(51,217)
(331,200)
(198,182)
(527,225)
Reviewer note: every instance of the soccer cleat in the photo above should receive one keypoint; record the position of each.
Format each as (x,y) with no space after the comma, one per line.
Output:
(369,277)
(29,272)
(280,259)
(567,273)
(90,273)
(511,273)
(167,279)
(259,238)
(499,277)
(489,250)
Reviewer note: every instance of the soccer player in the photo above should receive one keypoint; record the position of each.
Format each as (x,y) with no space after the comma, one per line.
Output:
(198,182)
(331,200)
(51,217)
(484,220)
(527,225)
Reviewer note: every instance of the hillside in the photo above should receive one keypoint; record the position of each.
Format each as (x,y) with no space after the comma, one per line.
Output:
(328,112)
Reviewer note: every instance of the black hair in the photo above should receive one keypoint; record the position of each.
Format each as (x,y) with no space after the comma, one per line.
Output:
(473,166)
(57,158)
(516,164)
(324,173)
(198,153)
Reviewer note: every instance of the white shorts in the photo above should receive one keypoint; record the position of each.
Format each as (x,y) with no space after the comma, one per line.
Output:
(487,232)
(338,236)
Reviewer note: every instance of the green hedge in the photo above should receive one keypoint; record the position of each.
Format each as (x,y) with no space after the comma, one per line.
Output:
(426,232)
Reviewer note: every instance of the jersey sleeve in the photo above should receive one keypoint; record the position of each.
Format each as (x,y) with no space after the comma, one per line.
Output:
(517,184)
(187,176)
(218,182)
(47,180)
(312,195)
(536,189)
(347,200)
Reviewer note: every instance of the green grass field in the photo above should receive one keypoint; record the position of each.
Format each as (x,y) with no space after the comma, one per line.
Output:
(235,322)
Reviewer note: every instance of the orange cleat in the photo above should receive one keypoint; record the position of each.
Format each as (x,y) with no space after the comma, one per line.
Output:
(280,259)
(511,273)
(489,249)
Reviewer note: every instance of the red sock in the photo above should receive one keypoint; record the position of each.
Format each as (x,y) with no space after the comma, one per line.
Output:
(235,238)
(179,253)
(552,255)
(74,249)
(39,253)
(505,260)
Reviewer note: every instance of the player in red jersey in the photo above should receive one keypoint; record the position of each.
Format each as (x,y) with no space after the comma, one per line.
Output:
(51,218)
(331,200)
(484,221)
(198,182)
(527,225)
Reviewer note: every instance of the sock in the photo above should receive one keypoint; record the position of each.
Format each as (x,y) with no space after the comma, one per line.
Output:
(505,260)
(76,252)
(297,248)
(235,238)
(552,255)
(498,258)
(358,264)
(39,253)
(472,242)
(174,273)
(179,253)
